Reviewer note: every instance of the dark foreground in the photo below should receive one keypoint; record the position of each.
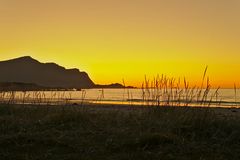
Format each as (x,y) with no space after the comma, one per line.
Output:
(102,133)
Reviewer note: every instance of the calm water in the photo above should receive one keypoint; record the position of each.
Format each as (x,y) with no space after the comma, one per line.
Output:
(224,98)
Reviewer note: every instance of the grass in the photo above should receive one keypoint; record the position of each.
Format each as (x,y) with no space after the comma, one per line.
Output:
(32,128)
(169,91)
(158,91)
(32,132)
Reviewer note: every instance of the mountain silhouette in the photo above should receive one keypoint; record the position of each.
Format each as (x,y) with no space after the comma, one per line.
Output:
(28,70)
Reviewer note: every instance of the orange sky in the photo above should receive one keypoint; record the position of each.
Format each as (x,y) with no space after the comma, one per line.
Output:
(115,40)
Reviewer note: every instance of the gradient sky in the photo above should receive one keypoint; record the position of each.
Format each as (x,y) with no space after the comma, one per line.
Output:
(114,40)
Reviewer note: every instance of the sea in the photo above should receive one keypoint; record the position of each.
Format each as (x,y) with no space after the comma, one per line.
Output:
(168,97)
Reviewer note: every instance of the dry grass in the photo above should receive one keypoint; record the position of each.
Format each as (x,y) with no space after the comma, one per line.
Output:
(168,91)
(103,132)
(158,91)
(37,129)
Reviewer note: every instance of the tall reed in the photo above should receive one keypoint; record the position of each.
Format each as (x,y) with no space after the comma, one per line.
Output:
(167,91)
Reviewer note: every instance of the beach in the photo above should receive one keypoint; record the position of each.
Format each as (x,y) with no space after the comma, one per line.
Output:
(105,131)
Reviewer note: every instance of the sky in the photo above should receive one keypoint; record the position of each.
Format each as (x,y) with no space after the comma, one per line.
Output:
(128,39)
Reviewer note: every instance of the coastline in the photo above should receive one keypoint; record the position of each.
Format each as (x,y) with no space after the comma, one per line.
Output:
(223,111)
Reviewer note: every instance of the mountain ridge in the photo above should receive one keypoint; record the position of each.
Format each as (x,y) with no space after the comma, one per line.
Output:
(28,73)
(28,70)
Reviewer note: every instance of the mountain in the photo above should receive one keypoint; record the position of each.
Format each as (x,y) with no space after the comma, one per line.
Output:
(17,86)
(114,85)
(30,71)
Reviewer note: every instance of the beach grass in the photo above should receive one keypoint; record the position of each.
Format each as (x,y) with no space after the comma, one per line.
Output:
(175,121)
(30,132)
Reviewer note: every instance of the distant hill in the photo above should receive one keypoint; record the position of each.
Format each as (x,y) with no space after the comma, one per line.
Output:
(16,86)
(30,71)
(114,85)
(26,73)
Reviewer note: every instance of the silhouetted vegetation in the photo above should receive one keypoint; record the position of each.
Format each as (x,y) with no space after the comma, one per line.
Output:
(111,132)
(34,125)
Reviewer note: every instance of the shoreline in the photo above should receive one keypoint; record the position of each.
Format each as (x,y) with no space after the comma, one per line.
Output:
(222,111)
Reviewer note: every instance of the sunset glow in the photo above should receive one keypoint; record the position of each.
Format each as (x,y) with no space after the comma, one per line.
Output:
(127,39)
